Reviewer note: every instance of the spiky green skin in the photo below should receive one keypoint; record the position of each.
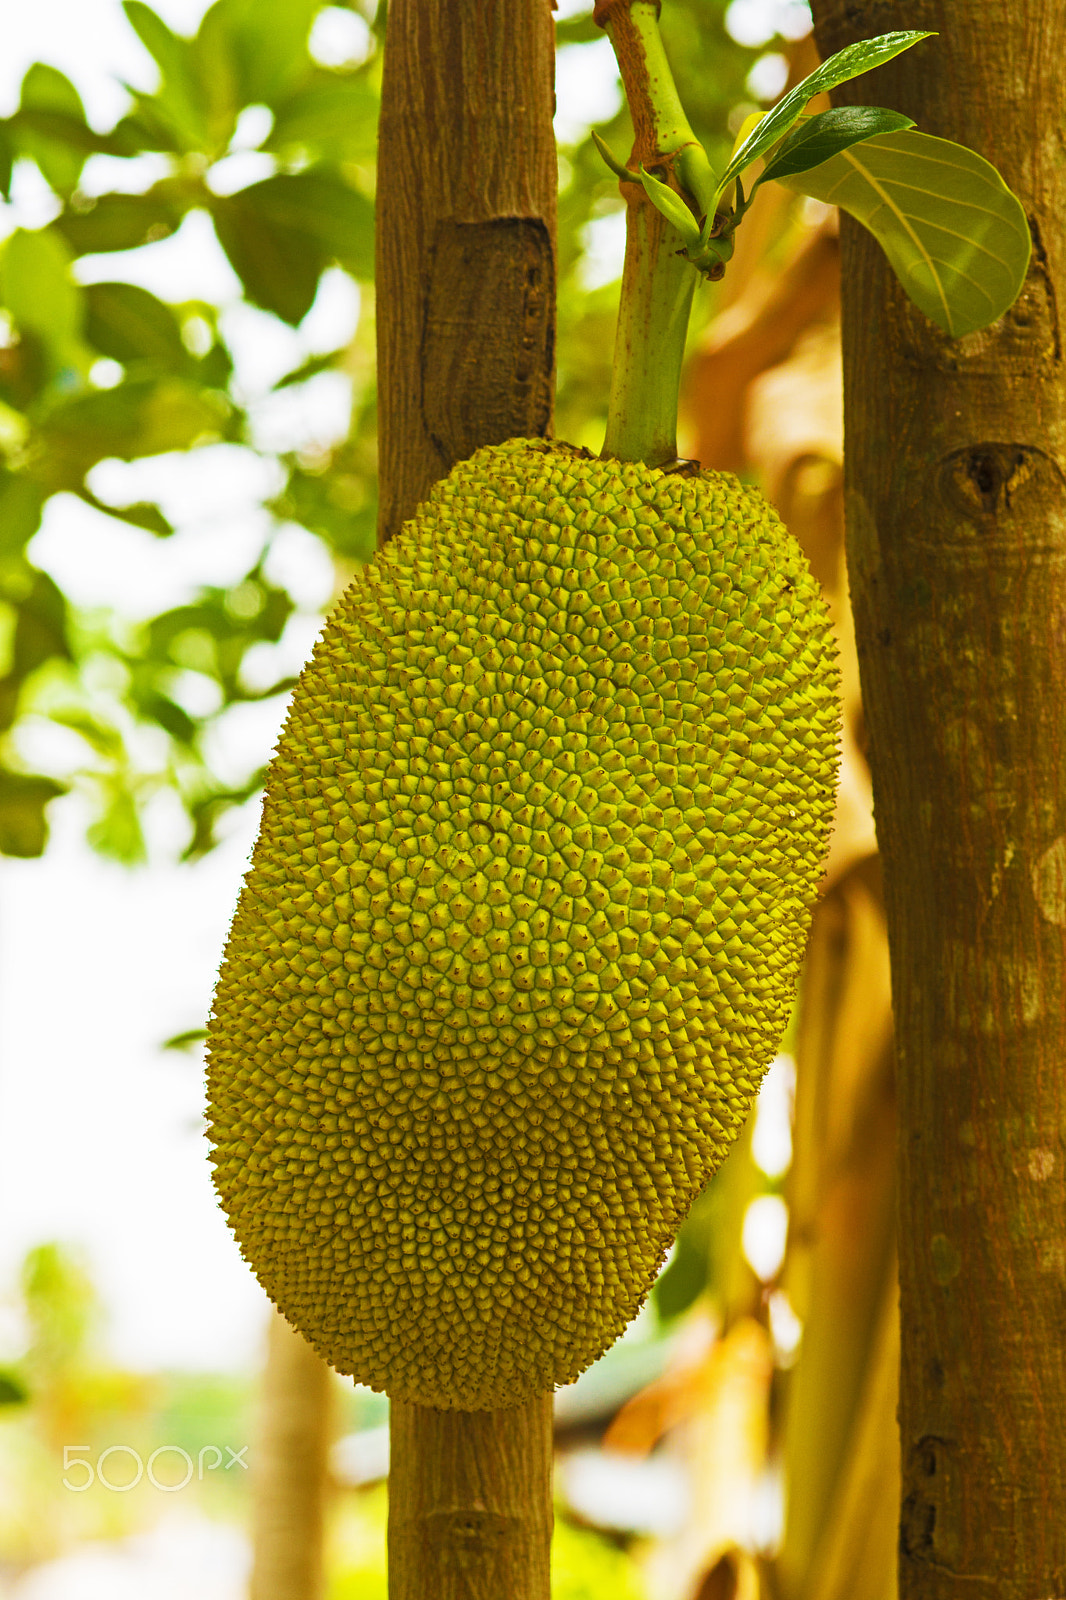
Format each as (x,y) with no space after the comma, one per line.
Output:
(522,927)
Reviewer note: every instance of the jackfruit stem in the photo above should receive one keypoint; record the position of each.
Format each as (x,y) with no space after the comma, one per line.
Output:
(657,280)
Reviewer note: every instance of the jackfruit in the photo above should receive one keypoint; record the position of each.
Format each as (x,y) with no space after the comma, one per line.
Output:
(522,926)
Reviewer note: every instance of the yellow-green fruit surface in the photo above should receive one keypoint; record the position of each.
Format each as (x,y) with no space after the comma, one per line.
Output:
(522,926)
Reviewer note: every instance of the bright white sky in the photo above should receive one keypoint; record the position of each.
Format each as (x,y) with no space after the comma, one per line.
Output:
(100,1141)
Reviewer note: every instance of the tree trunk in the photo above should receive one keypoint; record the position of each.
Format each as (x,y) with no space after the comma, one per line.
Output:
(470,1511)
(466,337)
(291,1469)
(956,514)
(466,238)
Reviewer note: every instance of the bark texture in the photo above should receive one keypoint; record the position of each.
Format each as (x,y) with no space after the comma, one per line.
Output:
(466,332)
(291,1479)
(466,237)
(470,1503)
(956,509)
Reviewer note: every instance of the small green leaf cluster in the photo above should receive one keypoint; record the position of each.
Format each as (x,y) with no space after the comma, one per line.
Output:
(953,232)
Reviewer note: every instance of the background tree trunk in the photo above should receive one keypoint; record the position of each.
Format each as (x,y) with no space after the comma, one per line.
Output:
(466,340)
(956,517)
(291,1462)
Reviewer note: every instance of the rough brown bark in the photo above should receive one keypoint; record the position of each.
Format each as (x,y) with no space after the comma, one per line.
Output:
(466,237)
(291,1469)
(956,513)
(466,327)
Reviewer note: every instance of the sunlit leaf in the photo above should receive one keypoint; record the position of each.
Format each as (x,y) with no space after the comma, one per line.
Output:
(955,235)
(312,367)
(218,84)
(148,126)
(38,290)
(7,159)
(118,222)
(66,128)
(850,62)
(682,1282)
(99,735)
(39,635)
(207,810)
(174,719)
(25,368)
(21,502)
(185,1041)
(279,267)
(321,502)
(823,136)
(170,53)
(41,629)
(117,831)
(13,1390)
(127,324)
(46,89)
(23,798)
(140,514)
(140,417)
(268,40)
(179,96)
(333,116)
(672,207)
(282,233)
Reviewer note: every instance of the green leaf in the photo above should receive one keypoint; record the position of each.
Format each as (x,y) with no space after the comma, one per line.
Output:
(141,514)
(850,62)
(333,117)
(282,233)
(672,207)
(21,503)
(148,126)
(66,129)
(141,417)
(41,629)
(185,1041)
(99,735)
(311,368)
(217,72)
(127,324)
(268,41)
(168,714)
(118,222)
(179,100)
(13,1390)
(206,811)
(37,289)
(278,267)
(46,89)
(40,635)
(7,159)
(339,508)
(823,136)
(23,797)
(681,1283)
(170,53)
(116,832)
(577,30)
(955,235)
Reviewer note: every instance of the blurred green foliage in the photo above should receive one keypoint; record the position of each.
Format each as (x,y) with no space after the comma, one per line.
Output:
(91,371)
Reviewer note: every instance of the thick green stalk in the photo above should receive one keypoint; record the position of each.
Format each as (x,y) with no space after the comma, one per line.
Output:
(657,281)
(653,314)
